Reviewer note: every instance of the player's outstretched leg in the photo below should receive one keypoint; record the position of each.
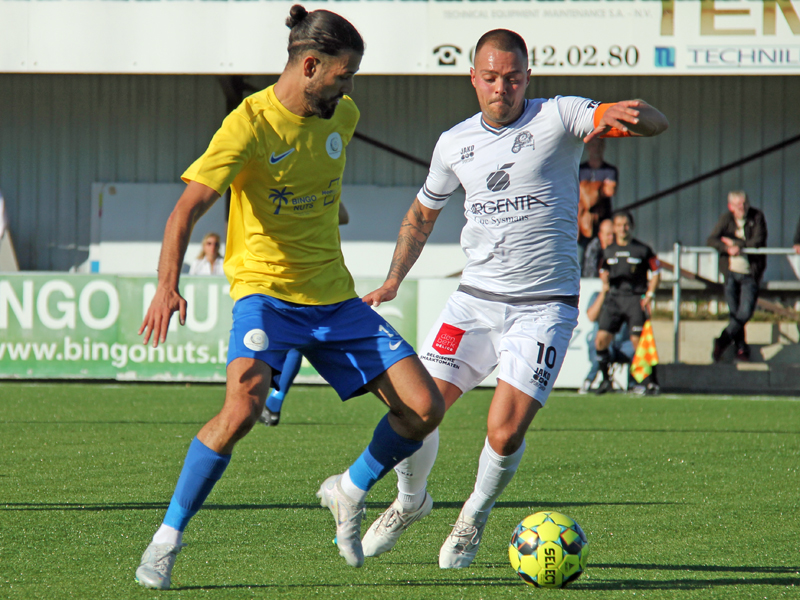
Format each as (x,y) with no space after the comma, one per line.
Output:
(206,461)
(271,415)
(413,502)
(201,470)
(345,495)
(494,474)
(416,408)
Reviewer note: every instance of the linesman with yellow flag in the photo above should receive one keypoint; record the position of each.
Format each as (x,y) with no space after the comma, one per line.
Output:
(632,271)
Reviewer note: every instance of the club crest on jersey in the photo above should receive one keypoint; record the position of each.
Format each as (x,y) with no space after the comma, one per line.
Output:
(334,145)
(523,140)
(448,339)
(499,180)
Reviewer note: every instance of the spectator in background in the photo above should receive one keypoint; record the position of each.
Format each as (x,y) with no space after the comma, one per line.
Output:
(598,184)
(796,240)
(594,251)
(739,227)
(620,351)
(209,261)
(625,267)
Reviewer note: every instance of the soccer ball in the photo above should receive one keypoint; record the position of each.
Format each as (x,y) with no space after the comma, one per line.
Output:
(548,550)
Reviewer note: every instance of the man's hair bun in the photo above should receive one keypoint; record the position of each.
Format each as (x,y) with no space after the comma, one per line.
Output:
(296,15)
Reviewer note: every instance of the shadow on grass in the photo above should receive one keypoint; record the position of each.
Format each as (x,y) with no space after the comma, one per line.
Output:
(685,584)
(718,569)
(98,507)
(628,584)
(288,424)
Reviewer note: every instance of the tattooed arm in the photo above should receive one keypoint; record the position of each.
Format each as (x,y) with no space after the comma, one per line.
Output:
(414,232)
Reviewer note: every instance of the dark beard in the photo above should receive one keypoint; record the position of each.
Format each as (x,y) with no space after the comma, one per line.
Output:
(321,107)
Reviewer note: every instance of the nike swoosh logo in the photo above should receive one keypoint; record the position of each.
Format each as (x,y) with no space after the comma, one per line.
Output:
(274,160)
(395,346)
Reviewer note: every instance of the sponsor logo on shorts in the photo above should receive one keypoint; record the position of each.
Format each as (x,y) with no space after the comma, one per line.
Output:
(448,339)
(541,378)
(256,340)
(440,360)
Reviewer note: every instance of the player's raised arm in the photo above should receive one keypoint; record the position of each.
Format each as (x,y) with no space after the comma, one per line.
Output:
(414,232)
(627,118)
(193,203)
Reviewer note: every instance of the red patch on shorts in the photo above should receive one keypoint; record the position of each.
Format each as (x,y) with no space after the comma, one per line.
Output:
(448,339)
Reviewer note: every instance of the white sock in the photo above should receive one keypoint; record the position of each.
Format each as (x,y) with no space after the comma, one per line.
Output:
(412,473)
(351,489)
(494,474)
(168,535)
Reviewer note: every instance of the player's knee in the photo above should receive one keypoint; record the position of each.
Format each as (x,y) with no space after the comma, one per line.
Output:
(435,412)
(506,440)
(426,415)
(239,417)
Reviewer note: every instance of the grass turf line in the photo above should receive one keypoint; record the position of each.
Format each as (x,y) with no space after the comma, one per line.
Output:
(681,496)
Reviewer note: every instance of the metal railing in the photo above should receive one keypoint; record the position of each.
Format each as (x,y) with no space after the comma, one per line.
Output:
(677,249)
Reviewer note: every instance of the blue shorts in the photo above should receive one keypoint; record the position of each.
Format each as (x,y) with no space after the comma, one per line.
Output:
(348,343)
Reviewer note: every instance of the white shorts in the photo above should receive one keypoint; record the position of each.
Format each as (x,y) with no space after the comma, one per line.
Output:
(472,336)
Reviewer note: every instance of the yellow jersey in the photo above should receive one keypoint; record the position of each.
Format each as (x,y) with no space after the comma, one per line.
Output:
(285,175)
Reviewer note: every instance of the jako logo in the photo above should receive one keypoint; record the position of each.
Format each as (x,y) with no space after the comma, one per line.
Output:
(665,57)
(499,180)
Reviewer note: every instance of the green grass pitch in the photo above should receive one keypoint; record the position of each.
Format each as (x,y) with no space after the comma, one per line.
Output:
(680,496)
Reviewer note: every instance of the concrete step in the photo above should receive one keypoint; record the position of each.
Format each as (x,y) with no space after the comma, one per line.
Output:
(756,378)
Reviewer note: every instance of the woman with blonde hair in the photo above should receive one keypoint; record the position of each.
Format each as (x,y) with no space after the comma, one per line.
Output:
(209,261)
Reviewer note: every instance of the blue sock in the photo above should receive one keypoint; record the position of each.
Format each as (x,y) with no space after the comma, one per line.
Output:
(201,470)
(291,367)
(386,449)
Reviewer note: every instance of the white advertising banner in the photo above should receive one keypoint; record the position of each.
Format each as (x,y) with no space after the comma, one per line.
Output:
(565,37)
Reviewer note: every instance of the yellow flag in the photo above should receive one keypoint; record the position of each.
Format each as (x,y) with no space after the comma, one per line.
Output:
(646,356)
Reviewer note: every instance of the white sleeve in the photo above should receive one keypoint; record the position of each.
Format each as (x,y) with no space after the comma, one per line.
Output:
(195,267)
(577,114)
(441,181)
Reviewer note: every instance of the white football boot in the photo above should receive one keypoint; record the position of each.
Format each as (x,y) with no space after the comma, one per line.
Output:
(461,546)
(348,515)
(387,529)
(155,569)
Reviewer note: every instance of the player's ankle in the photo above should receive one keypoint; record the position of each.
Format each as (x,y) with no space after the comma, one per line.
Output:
(168,535)
(412,502)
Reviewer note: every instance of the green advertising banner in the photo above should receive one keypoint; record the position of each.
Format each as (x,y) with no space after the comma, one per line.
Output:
(65,326)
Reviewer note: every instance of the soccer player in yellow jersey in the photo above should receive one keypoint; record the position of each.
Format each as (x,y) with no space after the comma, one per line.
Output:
(282,153)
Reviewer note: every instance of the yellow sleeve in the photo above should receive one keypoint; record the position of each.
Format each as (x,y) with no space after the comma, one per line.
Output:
(231,148)
(350,118)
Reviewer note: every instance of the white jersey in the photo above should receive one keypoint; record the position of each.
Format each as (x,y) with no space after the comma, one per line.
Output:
(521,184)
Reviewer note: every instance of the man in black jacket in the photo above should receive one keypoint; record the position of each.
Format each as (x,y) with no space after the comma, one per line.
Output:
(739,227)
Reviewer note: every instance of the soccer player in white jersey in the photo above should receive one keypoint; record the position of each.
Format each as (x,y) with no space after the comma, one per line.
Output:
(517,302)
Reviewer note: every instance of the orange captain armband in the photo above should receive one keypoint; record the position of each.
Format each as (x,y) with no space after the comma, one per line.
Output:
(613,132)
